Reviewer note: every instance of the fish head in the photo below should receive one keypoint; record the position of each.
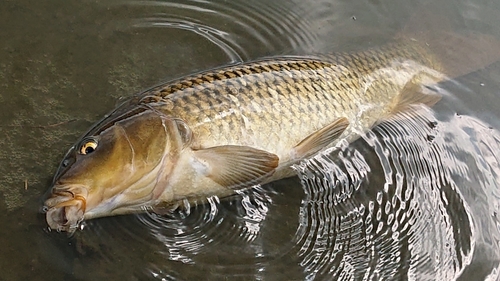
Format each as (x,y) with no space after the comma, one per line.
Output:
(114,169)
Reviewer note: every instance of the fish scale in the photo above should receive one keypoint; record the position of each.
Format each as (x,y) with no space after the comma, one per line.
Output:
(308,94)
(229,128)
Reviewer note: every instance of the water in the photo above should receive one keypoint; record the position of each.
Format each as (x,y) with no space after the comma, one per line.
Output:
(413,199)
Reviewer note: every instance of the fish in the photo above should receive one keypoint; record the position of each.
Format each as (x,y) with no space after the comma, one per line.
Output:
(230,128)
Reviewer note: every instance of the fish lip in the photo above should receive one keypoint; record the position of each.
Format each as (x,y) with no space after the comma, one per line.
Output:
(65,207)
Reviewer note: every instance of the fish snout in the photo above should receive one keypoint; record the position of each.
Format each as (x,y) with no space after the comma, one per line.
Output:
(65,208)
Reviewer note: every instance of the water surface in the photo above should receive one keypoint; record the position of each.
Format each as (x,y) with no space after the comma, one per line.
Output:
(412,199)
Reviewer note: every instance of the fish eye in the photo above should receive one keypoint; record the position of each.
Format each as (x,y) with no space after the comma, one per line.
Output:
(88,147)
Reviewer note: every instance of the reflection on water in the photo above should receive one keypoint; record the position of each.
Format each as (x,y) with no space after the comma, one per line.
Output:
(416,198)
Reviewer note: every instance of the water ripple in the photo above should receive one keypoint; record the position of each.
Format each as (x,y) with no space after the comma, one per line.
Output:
(409,221)
(215,36)
(268,27)
(189,232)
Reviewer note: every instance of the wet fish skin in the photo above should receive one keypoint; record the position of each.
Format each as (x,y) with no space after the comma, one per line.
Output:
(256,104)
(208,132)
(107,174)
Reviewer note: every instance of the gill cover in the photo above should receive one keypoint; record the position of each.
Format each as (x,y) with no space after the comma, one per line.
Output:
(114,171)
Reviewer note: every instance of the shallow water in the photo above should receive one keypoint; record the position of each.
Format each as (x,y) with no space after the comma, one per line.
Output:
(413,199)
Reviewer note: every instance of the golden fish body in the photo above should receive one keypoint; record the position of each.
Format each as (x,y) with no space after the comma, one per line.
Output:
(214,132)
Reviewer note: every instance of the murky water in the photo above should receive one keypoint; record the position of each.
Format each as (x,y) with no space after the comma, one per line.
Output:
(413,199)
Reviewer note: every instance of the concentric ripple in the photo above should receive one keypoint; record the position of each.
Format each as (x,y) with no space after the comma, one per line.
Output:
(188,232)
(267,26)
(401,214)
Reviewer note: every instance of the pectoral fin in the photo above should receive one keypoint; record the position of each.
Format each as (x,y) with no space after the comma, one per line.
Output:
(236,166)
(321,138)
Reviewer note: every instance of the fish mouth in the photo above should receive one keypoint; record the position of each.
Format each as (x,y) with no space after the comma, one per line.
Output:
(65,208)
